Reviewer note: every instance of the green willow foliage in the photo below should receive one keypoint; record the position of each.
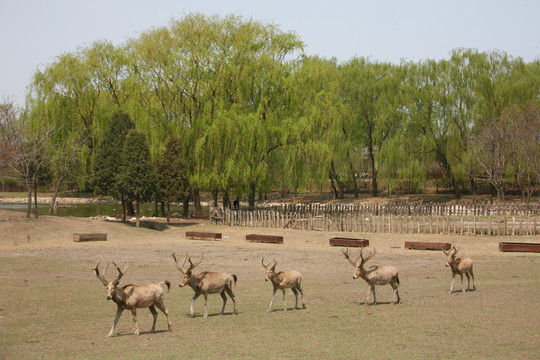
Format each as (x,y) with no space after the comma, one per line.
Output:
(255,114)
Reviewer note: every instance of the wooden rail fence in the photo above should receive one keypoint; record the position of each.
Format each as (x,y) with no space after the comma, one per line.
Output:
(474,219)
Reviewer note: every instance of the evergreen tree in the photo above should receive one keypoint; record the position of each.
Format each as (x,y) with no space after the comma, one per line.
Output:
(136,175)
(108,157)
(171,174)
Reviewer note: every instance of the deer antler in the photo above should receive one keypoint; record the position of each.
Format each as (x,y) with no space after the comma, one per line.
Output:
(445,252)
(455,250)
(120,273)
(101,277)
(192,265)
(371,254)
(275,262)
(348,256)
(265,266)
(181,268)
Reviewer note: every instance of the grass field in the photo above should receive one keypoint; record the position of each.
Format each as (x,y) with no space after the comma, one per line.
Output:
(52,305)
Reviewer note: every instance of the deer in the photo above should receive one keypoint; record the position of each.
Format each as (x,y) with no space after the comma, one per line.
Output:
(374,275)
(206,283)
(283,280)
(459,266)
(133,297)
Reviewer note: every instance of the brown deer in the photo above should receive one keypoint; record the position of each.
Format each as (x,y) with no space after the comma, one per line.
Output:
(206,283)
(374,275)
(134,296)
(283,280)
(459,266)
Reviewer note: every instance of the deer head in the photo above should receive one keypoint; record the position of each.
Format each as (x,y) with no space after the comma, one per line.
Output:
(270,270)
(186,274)
(111,285)
(359,266)
(451,254)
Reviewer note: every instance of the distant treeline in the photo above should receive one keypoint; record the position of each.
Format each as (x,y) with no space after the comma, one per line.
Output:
(249,112)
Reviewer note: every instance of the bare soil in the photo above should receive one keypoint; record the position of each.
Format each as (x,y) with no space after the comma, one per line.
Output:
(52,305)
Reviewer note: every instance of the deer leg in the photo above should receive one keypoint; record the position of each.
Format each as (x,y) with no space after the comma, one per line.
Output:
(118,313)
(192,301)
(397,299)
(231,294)
(295,292)
(272,300)
(205,305)
(134,313)
(472,275)
(161,306)
(224,301)
(154,314)
(452,285)
(372,290)
(284,304)
(462,288)
(468,280)
(301,293)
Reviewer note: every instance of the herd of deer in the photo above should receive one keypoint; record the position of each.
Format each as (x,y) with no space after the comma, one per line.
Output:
(133,297)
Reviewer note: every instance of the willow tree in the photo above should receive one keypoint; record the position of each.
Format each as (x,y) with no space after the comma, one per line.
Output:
(371,92)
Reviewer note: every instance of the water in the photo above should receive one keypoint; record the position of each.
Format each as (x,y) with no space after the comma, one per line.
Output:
(91,210)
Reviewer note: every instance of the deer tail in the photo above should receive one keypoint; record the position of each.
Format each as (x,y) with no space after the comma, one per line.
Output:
(166,282)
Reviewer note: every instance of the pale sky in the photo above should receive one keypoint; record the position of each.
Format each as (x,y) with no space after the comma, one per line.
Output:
(34,32)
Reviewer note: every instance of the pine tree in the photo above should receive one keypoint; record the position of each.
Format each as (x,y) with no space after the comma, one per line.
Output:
(136,175)
(171,174)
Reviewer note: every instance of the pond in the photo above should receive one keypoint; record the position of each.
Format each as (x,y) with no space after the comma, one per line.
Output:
(91,210)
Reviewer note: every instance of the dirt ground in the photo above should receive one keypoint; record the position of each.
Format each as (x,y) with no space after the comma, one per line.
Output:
(52,305)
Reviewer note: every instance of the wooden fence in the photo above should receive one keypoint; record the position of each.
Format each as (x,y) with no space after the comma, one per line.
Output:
(473,219)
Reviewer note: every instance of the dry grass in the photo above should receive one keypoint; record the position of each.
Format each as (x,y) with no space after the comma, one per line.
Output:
(54,307)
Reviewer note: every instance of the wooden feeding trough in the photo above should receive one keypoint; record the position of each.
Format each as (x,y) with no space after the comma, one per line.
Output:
(519,247)
(418,245)
(340,241)
(90,237)
(272,239)
(203,235)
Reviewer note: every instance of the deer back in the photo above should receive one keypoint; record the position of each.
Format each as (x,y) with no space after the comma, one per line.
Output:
(208,282)
(380,274)
(140,296)
(287,279)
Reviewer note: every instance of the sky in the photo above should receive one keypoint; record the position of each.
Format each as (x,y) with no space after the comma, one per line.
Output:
(33,33)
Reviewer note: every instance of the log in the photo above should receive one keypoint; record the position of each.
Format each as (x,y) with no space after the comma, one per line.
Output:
(90,237)
(418,245)
(203,235)
(340,241)
(519,247)
(273,239)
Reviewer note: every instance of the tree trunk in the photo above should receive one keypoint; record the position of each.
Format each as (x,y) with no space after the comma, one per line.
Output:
(137,214)
(36,214)
(130,210)
(251,195)
(168,212)
(197,202)
(186,208)
(29,204)
(123,210)
(215,194)
(226,200)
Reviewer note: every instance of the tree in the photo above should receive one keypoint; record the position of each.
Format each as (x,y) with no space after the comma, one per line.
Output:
(31,160)
(136,175)
(371,94)
(108,159)
(171,174)
(65,158)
